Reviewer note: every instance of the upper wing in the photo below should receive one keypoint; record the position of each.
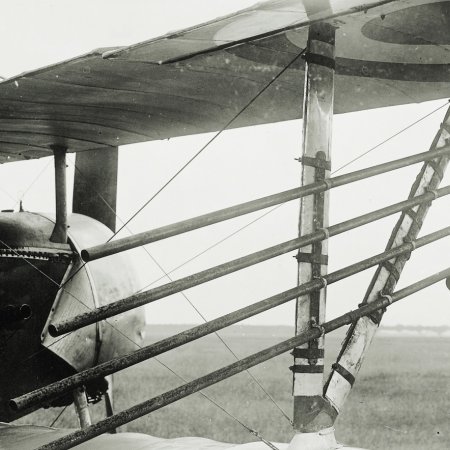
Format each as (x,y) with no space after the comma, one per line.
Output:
(388,52)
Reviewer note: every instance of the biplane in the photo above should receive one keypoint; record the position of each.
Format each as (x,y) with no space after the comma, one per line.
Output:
(73,322)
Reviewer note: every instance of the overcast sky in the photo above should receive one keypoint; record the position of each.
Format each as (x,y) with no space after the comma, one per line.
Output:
(241,165)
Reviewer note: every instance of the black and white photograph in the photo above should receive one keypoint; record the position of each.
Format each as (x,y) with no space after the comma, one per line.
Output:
(225,225)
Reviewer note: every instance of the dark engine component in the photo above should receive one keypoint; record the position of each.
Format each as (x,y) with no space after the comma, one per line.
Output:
(13,316)
(40,280)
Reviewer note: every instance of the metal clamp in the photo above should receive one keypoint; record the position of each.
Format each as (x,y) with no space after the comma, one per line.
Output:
(387,297)
(311,258)
(323,280)
(327,183)
(318,163)
(344,373)
(432,191)
(325,231)
(308,353)
(314,324)
(412,243)
(392,269)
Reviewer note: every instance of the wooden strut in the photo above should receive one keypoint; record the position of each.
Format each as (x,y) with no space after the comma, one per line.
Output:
(112,309)
(146,407)
(59,233)
(360,335)
(314,212)
(127,243)
(82,407)
(96,171)
(54,390)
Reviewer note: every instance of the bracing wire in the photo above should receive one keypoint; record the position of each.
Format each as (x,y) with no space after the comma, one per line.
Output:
(389,138)
(60,286)
(18,200)
(210,141)
(41,172)
(268,212)
(197,255)
(255,433)
(258,383)
(170,180)
(225,238)
(58,416)
(229,236)
(174,176)
(232,416)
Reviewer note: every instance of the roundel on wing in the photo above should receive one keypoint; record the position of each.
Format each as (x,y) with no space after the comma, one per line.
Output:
(417,25)
(403,41)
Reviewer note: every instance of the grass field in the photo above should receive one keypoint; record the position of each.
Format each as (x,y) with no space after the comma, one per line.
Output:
(400,400)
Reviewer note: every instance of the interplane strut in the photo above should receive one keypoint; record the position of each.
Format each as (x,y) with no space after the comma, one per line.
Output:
(407,228)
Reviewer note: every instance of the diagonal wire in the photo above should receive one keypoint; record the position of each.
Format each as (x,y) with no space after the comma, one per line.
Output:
(18,200)
(278,206)
(58,416)
(389,138)
(258,383)
(278,75)
(8,194)
(174,176)
(252,221)
(250,430)
(167,275)
(223,239)
(41,172)
(197,255)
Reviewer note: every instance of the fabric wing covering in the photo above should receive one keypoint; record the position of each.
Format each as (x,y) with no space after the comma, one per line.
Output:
(198,79)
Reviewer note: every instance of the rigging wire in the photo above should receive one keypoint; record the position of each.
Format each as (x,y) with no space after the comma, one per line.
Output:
(58,416)
(197,255)
(18,200)
(389,138)
(157,193)
(197,154)
(279,206)
(258,383)
(217,243)
(255,433)
(253,99)
(8,195)
(41,172)
(250,430)
(172,178)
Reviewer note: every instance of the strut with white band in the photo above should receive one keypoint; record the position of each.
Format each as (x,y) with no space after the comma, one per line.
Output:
(313,259)
(385,279)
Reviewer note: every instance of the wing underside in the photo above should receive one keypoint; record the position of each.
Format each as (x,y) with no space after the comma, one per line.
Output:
(199,79)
